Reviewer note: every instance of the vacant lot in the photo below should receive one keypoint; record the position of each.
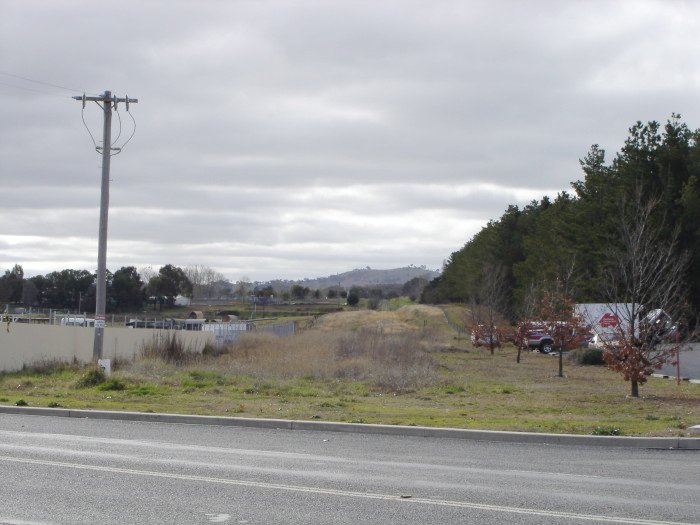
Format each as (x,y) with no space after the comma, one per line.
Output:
(403,367)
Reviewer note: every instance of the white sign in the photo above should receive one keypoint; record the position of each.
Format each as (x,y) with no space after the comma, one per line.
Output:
(99,323)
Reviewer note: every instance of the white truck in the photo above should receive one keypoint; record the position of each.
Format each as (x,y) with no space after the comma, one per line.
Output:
(607,318)
(609,321)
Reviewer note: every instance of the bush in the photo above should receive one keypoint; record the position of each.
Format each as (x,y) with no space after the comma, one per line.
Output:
(94,376)
(588,356)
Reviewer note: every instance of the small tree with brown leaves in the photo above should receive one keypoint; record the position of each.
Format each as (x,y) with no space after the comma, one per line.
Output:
(555,310)
(645,280)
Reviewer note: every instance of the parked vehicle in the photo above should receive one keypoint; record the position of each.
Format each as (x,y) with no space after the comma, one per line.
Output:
(536,337)
(482,336)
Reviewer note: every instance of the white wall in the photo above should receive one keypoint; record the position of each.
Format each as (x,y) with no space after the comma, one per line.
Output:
(32,343)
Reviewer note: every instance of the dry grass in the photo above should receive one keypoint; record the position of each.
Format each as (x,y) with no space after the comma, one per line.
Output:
(396,361)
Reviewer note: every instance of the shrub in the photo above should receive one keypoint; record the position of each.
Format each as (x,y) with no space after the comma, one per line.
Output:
(93,377)
(588,356)
(21,403)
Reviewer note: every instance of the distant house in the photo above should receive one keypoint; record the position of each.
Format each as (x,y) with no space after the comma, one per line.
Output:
(181,300)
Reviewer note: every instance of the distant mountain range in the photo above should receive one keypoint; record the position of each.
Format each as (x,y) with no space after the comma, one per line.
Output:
(366,277)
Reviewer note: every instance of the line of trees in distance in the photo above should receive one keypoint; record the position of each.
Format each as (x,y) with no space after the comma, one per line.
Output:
(70,289)
(132,290)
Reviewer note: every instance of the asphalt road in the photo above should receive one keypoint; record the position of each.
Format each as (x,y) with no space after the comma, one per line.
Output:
(61,470)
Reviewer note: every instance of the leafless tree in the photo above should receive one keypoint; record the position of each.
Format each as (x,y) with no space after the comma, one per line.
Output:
(203,279)
(645,281)
(487,307)
(147,273)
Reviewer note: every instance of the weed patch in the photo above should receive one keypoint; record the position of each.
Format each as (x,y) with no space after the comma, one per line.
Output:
(607,431)
(146,390)
(92,377)
(112,384)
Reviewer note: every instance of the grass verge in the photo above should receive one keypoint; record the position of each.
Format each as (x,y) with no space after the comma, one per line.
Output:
(402,368)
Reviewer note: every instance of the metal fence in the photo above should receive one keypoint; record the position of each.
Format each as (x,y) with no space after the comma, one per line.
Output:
(230,333)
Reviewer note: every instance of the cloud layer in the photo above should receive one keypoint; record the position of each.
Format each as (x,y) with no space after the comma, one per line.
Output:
(297,139)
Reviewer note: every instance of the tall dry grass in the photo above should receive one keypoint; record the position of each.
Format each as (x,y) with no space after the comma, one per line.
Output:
(391,361)
(170,348)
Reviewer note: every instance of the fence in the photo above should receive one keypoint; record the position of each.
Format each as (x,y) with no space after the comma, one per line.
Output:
(25,344)
(69,337)
(229,333)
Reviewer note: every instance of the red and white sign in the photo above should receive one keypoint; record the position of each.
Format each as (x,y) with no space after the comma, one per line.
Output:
(609,320)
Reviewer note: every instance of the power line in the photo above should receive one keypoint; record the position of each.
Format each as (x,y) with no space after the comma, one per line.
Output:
(39,82)
(31,90)
(88,130)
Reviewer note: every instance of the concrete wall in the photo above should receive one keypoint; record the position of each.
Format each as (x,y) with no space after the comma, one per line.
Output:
(32,343)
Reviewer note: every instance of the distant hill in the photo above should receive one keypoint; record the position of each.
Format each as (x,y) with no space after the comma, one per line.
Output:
(366,277)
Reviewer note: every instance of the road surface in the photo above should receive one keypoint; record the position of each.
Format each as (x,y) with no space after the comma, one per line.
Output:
(62,470)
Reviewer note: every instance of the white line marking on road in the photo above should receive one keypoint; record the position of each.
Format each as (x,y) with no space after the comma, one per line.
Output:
(345,493)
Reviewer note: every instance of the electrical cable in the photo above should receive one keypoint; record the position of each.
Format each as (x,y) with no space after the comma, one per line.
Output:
(21,88)
(40,82)
(88,130)
(133,132)
(119,134)
(116,111)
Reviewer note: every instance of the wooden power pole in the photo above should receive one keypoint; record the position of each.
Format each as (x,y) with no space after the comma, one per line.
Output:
(107,102)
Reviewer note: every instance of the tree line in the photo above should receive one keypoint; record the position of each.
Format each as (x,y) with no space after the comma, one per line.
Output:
(75,289)
(132,290)
(574,238)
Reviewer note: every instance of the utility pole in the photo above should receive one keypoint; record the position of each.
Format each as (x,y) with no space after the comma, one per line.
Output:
(106,101)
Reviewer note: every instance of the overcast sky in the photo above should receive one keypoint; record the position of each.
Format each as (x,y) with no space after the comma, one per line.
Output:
(301,138)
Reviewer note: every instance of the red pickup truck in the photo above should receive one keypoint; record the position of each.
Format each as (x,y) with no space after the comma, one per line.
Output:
(537,337)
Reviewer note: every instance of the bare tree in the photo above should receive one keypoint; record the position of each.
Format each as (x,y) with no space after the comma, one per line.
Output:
(487,307)
(243,287)
(203,280)
(527,313)
(645,281)
(147,273)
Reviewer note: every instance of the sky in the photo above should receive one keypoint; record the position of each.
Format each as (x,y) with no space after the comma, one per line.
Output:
(303,138)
